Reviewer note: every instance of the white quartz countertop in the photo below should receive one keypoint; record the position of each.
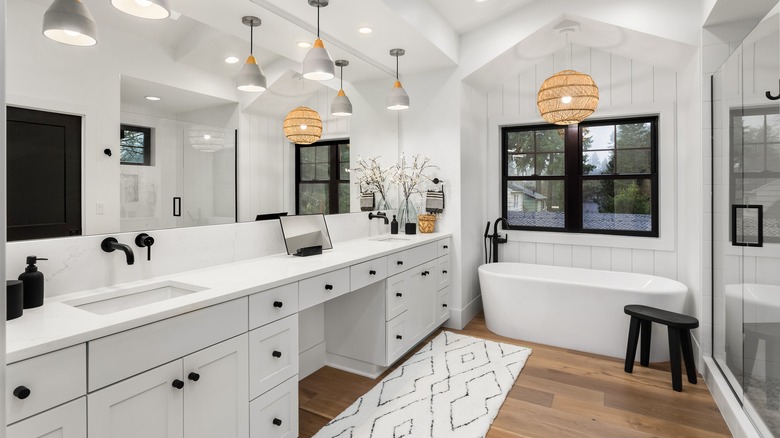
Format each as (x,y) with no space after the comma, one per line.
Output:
(56,325)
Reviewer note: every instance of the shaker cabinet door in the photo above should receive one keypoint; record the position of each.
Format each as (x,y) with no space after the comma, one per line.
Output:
(66,421)
(216,392)
(147,405)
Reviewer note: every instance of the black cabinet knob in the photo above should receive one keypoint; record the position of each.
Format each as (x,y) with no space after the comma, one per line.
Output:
(445,246)
(444,272)
(444,305)
(178,384)
(399,294)
(276,354)
(193,376)
(424,273)
(399,337)
(372,272)
(400,262)
(328,287)
(21,392)
(277,422)
(278,304)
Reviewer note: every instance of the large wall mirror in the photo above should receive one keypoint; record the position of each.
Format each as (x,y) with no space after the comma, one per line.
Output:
(204,153)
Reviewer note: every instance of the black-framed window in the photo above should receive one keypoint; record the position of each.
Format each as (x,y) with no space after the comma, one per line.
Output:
(321,177)
(135,145)
(596,177)
(755,166)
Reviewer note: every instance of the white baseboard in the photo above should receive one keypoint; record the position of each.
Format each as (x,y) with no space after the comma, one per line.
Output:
(354,366)
(311,360)
(738,422)
(459,318)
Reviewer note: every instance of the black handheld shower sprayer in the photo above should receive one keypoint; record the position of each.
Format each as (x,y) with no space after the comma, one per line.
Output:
(491,252)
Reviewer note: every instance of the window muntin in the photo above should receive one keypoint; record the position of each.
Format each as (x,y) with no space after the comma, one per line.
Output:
(135,145)
(596,177)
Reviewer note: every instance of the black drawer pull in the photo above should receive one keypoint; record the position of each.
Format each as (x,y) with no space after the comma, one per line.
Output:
(276,354)
(178,384)
(278,304)
(399,263)
(21,392)
(444,305)
(446,247)
(277,422)
(443,272)
(399,337)
(424,273)
(399,294)
(372,272)
(328,287)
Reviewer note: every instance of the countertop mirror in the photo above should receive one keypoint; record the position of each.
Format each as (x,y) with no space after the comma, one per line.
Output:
(217,154)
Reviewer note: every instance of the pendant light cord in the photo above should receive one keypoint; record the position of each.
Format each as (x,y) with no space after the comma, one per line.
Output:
(318,21)
(342,77)
(251,39)
(396,68)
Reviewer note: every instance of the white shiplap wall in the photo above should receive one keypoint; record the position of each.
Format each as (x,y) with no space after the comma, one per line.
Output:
(623,83)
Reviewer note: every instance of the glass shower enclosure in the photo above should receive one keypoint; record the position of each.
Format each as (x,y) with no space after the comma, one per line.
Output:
(746,222)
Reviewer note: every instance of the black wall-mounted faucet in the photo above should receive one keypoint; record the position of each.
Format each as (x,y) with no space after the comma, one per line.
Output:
(379,215)
(110,244)
(144,240)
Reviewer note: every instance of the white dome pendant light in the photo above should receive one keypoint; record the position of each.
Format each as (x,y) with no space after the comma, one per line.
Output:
(398,99)
(69,22)
(317,64)
(341,105)
(251,77)
(151,9)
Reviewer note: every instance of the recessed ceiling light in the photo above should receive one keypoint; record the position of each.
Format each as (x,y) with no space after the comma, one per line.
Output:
(304,45)
(365,30)
(231,60)
(152,98)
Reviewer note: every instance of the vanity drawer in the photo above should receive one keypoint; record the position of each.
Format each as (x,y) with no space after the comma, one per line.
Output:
(273,304)
(275,413)
(442,306)
(51,379)
(396,296)
(410,258)
(444,246)
(397,337)
(128,353)
(365,273)
(273,355)
(443,272)
(321,288)
(68,420)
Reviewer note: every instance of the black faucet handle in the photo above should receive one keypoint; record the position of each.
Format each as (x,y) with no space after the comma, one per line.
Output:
(144,240)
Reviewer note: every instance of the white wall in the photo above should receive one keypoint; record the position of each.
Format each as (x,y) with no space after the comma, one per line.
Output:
(626,86)
(2,205)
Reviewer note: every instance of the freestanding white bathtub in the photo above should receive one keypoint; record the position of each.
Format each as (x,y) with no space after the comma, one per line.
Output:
(578,309)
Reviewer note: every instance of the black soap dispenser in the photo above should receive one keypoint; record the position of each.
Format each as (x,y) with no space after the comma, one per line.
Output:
(394,226)
(33,283)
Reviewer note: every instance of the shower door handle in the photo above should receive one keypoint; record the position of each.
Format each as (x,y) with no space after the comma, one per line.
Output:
(759,225)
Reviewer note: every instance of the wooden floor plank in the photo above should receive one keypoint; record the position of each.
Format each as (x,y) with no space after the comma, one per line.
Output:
(560,393)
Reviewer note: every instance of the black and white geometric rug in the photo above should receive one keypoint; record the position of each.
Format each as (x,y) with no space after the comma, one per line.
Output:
(453,387)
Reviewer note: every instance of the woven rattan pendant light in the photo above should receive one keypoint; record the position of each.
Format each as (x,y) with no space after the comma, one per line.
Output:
(567,97)
(303,125)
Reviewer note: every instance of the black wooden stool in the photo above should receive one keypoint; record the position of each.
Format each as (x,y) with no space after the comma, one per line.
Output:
(679,326)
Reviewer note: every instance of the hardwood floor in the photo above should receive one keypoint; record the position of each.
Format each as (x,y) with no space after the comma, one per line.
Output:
(560,393)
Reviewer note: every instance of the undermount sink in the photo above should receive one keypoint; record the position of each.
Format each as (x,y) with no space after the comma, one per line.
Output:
(131,297)
(391,239)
